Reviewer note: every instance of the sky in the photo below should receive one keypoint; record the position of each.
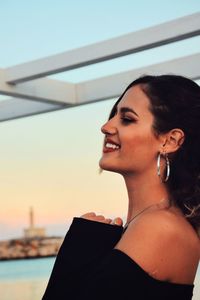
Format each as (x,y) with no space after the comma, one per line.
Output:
(50,161)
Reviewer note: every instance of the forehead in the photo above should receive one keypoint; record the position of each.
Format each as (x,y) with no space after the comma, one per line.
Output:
(136,99)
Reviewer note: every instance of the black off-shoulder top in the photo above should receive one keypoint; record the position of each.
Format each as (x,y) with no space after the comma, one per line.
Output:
(89,267)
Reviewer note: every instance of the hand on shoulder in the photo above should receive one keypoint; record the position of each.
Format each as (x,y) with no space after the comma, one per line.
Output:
(100,218)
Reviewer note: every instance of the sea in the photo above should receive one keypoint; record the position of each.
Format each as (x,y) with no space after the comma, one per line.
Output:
(27,279)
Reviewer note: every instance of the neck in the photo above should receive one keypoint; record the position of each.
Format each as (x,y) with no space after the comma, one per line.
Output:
(143,192)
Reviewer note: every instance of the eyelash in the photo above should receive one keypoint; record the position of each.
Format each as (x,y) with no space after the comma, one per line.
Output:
(126,120)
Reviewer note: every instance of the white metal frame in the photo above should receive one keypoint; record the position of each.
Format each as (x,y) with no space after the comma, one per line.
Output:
(28,81)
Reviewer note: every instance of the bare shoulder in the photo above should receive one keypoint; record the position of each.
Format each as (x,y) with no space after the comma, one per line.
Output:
(164,244)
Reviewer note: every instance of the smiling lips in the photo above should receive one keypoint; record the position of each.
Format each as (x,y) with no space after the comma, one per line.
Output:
(110,146)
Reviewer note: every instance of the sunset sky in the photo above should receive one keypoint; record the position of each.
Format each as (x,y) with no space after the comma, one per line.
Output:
(50,161)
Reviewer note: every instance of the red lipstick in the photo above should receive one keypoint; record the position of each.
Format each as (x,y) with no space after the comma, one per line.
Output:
(110,149)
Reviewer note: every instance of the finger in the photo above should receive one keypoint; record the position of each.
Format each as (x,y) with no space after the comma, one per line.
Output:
(108,221)
(89,214)
(100,217)
(117,221)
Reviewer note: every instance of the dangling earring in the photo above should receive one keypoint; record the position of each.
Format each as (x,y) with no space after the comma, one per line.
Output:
(167,166)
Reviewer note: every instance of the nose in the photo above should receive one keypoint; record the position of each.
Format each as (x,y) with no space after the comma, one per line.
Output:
(108,128)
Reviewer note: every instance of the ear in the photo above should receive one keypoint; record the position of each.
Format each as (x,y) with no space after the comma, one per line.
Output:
(172,140)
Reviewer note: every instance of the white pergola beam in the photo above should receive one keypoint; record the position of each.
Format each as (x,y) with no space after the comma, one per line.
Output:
(66,94)
(17,108)
(158,35)
(44,89)
(112,86)
(94,90)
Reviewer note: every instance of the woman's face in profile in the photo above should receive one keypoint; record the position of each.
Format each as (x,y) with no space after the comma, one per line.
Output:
(130,145)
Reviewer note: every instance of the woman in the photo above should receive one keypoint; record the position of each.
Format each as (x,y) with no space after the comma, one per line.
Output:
(152,139)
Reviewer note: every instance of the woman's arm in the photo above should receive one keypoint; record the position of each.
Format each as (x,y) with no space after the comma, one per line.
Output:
(86,241)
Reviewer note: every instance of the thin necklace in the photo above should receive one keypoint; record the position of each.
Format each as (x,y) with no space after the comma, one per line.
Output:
(127,223)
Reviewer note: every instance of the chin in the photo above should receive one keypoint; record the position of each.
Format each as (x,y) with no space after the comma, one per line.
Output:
(108,166)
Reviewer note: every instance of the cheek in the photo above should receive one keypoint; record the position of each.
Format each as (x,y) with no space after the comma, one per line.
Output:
(142,146)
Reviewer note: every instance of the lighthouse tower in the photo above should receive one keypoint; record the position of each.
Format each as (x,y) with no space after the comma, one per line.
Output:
(32,231)
(31,216)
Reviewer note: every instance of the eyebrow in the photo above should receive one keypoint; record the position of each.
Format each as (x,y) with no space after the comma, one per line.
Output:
(127,109)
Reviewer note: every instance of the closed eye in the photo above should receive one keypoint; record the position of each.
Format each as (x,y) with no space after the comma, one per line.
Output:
(126,120)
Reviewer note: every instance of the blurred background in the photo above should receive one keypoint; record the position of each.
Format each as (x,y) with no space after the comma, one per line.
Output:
(50,161)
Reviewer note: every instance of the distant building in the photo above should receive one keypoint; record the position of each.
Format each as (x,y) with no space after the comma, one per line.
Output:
(32,231)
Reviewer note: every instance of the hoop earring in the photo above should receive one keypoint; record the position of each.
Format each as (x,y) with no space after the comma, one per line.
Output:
(167,166)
